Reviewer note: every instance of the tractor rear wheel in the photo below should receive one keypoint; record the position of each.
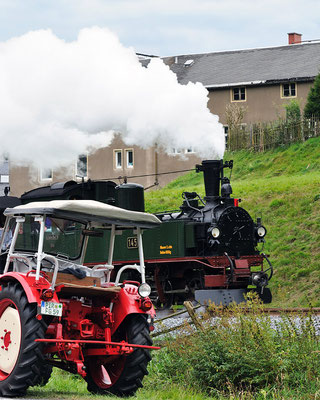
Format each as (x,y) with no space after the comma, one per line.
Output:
(123,375)
(43,379)
(21,359)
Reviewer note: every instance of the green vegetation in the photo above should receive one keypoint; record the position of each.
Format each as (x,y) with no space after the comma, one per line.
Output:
(312,107)
(293,113)
(282,186)
(249,354)
(241,356)
(63,385)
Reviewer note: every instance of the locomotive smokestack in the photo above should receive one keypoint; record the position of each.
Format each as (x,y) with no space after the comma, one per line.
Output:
(212,174)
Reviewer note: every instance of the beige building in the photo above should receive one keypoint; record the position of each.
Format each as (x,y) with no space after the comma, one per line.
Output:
(261,80)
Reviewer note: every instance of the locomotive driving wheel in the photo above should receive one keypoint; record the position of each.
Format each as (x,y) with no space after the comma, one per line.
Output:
(167,296)
(196,283)
(21,359)
(122,375)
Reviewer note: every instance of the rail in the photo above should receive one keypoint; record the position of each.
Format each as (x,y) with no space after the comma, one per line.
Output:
(196,320)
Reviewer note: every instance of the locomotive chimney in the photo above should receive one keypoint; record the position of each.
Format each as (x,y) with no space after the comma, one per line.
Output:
(212,174)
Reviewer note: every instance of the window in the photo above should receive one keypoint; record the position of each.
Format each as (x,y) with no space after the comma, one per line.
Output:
(239,94)
(129,156)
(61,236)
(4,179)
(188,150)
(45,174)
(82,166)
(118,158)
(288,90)
(226,133)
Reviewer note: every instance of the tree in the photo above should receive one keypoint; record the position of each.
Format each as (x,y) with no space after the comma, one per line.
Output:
(312,107)
(234,117)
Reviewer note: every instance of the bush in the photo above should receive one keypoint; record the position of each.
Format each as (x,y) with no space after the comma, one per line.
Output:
(293,113)
(250,351)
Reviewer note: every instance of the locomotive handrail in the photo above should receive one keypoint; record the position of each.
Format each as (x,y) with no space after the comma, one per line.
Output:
(185,197)
(270,266)
(231,266)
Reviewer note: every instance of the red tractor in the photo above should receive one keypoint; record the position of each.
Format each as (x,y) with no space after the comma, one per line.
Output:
(54,311)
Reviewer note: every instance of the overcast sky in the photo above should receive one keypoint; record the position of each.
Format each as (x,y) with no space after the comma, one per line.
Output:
(168,27)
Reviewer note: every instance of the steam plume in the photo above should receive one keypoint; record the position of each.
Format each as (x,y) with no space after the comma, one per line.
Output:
(60,99)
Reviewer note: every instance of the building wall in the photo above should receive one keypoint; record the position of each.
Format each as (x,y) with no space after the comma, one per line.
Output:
(4,176)
(101,165)
(263,103)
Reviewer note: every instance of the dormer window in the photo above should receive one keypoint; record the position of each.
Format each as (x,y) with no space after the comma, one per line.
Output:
(188,63)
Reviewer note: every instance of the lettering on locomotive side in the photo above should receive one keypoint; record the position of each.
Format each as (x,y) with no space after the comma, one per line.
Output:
(165,249)
(132,243)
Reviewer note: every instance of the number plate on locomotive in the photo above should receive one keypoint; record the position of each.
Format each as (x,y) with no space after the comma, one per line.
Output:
(50,308)
(132,243)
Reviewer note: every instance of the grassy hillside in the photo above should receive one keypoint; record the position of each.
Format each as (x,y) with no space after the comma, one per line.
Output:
(282,186)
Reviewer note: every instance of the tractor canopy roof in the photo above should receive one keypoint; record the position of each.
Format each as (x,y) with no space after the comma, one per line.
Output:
(86,211)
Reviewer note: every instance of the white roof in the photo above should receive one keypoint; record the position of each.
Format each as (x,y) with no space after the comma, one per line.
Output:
(86,211)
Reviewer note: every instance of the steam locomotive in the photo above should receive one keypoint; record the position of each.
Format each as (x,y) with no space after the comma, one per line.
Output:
(207,250)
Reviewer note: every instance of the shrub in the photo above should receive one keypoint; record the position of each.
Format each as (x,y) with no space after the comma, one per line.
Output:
(244,351)
(293,113)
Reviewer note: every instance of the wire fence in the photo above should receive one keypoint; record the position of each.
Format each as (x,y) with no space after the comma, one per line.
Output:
(264,136)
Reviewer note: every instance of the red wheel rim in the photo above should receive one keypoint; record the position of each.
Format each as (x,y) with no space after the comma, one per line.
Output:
(10,337)
(105,374)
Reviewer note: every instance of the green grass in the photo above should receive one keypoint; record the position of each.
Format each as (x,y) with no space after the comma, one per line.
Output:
(248,356)
(282,186)
(63,385)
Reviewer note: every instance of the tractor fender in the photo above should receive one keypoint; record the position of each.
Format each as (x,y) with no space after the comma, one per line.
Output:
(125,304)
(27,282)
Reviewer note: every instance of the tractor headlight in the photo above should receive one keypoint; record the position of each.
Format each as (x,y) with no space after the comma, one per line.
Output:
(215,232)
(261,231)
(144,290)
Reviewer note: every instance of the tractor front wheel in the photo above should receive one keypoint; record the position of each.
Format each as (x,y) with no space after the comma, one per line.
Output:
(21,358)
(122,376)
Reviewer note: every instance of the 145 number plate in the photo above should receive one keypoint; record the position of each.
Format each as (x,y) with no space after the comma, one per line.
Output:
(50,308)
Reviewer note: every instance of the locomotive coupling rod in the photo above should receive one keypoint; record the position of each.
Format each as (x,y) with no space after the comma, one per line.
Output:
(140,346)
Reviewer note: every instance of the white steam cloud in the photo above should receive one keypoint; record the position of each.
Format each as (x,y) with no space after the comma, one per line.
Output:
(59,99)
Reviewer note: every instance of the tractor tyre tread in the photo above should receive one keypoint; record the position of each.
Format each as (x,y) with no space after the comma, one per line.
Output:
(30,360)
(135,367)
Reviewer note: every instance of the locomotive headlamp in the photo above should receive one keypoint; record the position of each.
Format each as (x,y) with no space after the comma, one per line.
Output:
(215,232)
(144,290)
(261,231)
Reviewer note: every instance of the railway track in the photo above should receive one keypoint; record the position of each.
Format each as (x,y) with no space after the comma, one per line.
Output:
(169,321)
(167,314)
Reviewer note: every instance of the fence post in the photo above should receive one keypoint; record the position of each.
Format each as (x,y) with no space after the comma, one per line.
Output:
(251,145)
(193,316)
(261,132)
